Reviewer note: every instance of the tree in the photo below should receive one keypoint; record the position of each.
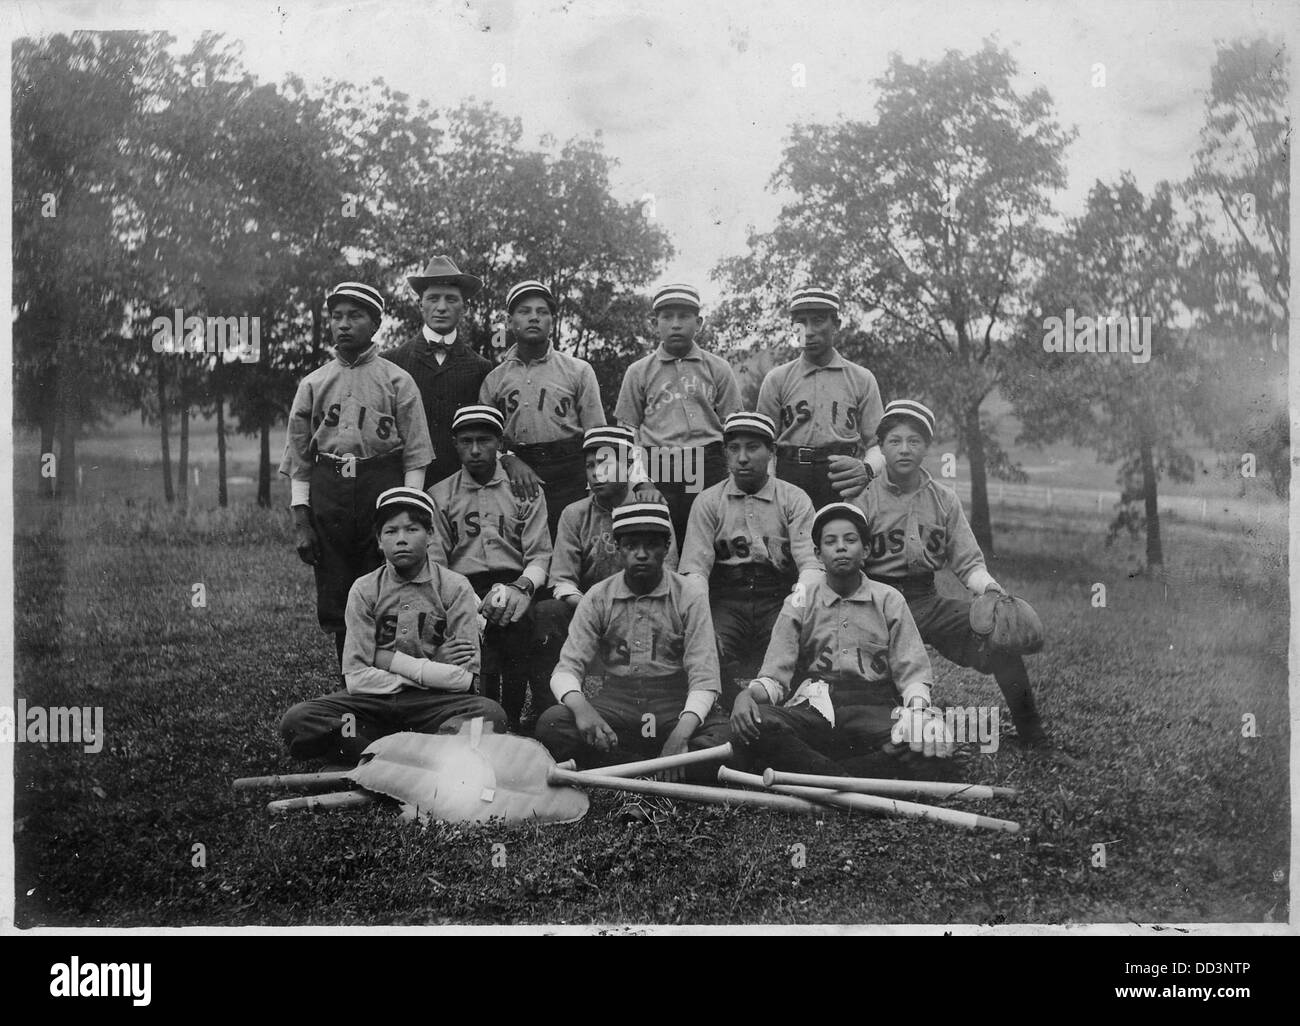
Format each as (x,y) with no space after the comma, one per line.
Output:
(933,215)
(76,100)
(1114,278)
(1239,279)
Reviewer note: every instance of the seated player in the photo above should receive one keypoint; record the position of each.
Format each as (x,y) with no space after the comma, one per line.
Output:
(651,630)
(916,527)
(858,655)
(749,537)
(499,541)
(584,552)
(411,659)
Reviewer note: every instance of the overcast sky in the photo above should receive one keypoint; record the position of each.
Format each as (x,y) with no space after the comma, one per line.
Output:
(695,99)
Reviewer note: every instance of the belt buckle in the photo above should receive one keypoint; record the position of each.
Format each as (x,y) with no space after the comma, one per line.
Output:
(804,455)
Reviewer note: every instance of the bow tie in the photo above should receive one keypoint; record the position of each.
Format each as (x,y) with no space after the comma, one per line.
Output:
(442,341)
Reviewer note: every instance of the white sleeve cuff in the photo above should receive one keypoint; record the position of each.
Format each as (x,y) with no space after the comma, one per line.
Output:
(700,702)
(299,492)
(875,459)
(978,580)
(438,676)
(563,682)
(917,690)
(774,690)
(408,666)
(414,478)
(535,574)
(564,589)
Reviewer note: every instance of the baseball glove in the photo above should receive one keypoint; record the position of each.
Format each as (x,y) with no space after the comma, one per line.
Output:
(1004,623)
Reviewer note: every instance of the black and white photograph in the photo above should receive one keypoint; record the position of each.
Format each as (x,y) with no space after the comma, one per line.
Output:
(627,467)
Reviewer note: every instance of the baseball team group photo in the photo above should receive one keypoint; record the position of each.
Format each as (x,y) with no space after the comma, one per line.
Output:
(711,476)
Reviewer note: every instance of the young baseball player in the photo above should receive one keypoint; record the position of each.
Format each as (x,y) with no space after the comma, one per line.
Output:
(827,407)
(356,428)
(676,400)
(651,630)
(865,675)
(412,655)
(547,397)
(585,552)
(917,527)
(500,542)
(749,537)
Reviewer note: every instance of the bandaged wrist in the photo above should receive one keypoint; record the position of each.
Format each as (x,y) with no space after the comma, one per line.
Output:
(407,666)
(919,690)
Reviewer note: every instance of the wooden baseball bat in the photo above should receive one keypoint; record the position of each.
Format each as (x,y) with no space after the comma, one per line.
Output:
(646,767)
(293,781)
(683,792)
(875,803)
(322,802)
(886,786)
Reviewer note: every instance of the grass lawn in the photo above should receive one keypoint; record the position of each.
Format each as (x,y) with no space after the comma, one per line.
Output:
(1150,691)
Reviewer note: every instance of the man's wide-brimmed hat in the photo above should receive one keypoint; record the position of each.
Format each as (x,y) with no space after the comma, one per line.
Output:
(442,271)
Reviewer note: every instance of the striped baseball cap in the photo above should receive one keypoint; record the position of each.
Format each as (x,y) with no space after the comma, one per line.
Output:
(642,516)
(357,292)
(815,299)
(529,288)
(404,498)
(838,511)
(608,434)
(478,416)
(907,409)
(675,295)
(749,424)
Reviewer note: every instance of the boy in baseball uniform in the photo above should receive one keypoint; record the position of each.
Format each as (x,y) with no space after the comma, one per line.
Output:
(749,538)
(863,677)
(356,428)
(412,655)
(650,629)
(917,527)
(676,400)
(547,398)
(827,408)
(500,542)
(585,551)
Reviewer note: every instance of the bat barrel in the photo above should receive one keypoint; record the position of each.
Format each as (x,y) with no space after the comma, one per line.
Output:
(646,767)
(322,802)
(683,792)
(876,803)
(886,786)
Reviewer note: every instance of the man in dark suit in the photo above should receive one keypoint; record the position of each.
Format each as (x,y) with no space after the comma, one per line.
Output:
(446,370)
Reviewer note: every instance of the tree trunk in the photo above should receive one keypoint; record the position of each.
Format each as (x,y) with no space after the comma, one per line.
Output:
(264,465)
(1155,552)
(978,513)
(169,493)
(223,499)
(65,467)
(183,461)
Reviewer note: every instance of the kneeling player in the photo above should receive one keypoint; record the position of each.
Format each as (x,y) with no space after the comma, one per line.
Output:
(917,527)
(651,630)
(411,658)
(585,553)
(861,658)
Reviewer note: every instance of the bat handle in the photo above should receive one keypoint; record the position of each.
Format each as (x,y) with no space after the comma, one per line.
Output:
(293,781)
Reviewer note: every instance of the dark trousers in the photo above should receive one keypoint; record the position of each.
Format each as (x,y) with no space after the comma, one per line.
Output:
(343,517)
(742,621)
(680,495)
(565,478)
(509,653)
(625,705)
(814,477)
(339,727)
(944,624)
